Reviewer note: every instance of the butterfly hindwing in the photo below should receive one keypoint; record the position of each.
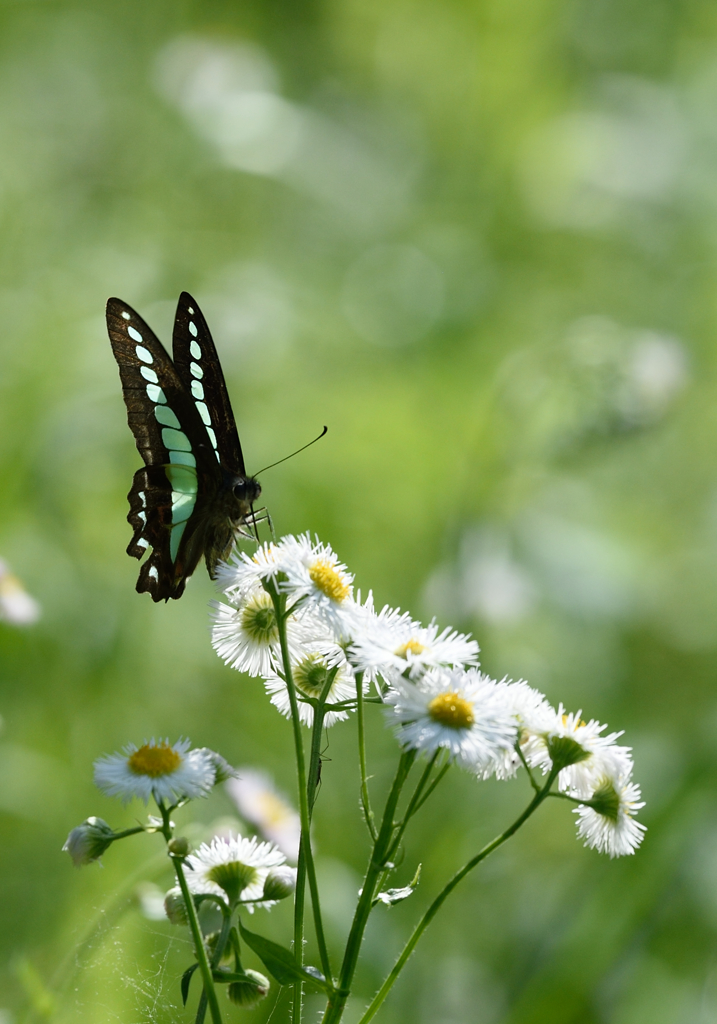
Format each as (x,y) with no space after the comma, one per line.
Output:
(198,366)
(153,502)
(180,464)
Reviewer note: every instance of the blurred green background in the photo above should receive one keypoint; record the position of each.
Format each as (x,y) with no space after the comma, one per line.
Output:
(478,239)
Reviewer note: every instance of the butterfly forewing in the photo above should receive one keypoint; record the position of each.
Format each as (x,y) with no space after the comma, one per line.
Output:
(199,369)
(177,451)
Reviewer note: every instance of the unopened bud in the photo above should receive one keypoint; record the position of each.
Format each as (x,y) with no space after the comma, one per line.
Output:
(175,908)
(178,847)
(88,841)
(280,883)
(222,769)
(250,991)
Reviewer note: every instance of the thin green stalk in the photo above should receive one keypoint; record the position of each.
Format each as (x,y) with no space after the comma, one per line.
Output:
(305,867)
(320,710)
(311,791)
(199,946)
(129,832)
(521,755)
(337,1001)
(299,900)
(214,962)
(412,805)
(365,800)
(434,782)
(443,895)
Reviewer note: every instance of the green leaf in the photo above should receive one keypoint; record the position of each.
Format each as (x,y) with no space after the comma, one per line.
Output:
(392,896)
(281,963)
(186,979)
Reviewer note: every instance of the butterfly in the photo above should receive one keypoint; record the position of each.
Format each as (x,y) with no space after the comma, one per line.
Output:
(193,495)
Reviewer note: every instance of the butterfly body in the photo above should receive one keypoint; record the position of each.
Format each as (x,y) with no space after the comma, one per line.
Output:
(193,495)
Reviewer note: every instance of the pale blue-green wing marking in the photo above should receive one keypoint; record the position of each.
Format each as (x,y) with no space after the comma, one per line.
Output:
(197,363)
(185,484)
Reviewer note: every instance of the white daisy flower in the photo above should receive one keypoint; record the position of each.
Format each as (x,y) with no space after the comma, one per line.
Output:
(159,769)
(585,754)
(393,644)
(464,713)
(533,715)
(609,825)
(244,573)
(233,867)
(247,637)
(317,579)
(310,672)
(262,806)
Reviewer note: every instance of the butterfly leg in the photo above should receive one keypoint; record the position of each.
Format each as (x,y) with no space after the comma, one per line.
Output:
(266,518)
(260,515)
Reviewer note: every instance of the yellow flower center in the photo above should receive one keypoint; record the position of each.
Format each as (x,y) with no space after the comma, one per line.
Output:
(268,552)
(452,710)
(414,646)
(576,725)
(328,581)
(154,761)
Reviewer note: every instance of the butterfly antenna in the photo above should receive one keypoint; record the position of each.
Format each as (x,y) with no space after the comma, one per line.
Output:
(303,447)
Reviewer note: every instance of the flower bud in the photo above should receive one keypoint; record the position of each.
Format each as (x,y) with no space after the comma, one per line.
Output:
(175,908)
(222,769)
(178,847)
(280,883)
(88,841)
(249,991)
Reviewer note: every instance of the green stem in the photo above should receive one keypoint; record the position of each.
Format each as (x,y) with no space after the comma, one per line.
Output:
(199,946)
(305,866)
(311,791)
(214,962)
(129,832)
(320,710)
(579,801)
(337,1000)
(521,755)
(365,801)
(443,895)
(442,772)
(413,805)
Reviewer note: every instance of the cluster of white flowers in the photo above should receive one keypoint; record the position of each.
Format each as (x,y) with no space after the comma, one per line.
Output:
(233,868)
(435,695)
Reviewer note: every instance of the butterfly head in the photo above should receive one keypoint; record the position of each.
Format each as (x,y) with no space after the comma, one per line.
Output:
(243,491)
(246,489)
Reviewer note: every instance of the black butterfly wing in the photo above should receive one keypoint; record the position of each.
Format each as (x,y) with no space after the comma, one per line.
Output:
(198,366)
(181,467)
